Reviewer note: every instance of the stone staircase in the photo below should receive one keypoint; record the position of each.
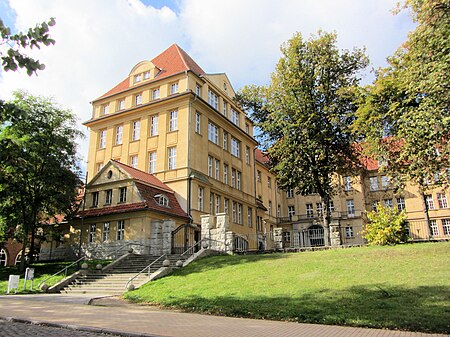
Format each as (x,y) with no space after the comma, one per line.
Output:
(113,280)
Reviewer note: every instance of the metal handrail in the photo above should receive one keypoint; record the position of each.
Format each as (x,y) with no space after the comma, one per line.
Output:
(143,270)
(62,270)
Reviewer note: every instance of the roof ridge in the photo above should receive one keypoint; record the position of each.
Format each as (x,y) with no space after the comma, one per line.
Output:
(179,49)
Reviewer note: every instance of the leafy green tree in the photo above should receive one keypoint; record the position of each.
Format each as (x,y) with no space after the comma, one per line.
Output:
(404,116)
(386,226)
(38,165)
(13,56)
(305,114)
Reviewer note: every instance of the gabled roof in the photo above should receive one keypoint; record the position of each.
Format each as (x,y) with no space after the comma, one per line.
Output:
(261,157)
(171,61)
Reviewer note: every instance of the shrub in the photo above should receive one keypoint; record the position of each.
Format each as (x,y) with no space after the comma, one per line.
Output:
(386,226)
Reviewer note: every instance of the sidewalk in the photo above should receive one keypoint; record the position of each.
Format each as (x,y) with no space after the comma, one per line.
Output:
(116,316)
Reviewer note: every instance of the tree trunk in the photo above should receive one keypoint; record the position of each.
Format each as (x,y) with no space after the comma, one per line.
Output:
(426,215)
(23,257)
(31,252)
(326,219)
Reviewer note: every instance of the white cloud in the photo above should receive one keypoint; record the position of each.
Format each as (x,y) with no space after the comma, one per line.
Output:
(98,42)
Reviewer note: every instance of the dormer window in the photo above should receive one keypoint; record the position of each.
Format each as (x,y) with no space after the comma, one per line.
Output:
(174,88)
(162,200)
(146,75)
(137,78)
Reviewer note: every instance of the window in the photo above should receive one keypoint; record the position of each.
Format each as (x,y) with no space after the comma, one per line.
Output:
(249,217)
(138,99)
(225,108)
(92,230)
(174,88)
(225,174)
(210,166)
(3,257)
(258,176)
(319,209)
(173,120)
(213,99)
(119,133)
(198,90)
(388,203)
(247,128)
(348,183)
(172,157)
(152,162)
(270,207)
(134,161)
(238,180)
(105,233)
(350,207)
(239,220)
(309,211)
(291,211)
(217,169)
(120,230)
(197,123)
(348,232)
(108,197)
(287,236)
(269,182)
(401,204)
(122,104)
(373,183)
(99,166)
(279,211)
(146,75)
(442,200)
(429,201)
(136,130)
(200,198)
(94,199)
(225,141)
(374,206)
(226,205)
(213,133)
(233,177)
(123,194)
(217,204)
(137,78)
(154,125)
(211,203)
(446,226)
(235,147)
(290,193)
(247,155)
(331,206)
(162,200)
(434,228)
(155,93)
(385,183)
(234,211)
(106,109)
(102,139)
(235,117)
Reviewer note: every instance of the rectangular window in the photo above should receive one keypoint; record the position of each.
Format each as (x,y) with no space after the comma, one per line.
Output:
(134,161)
(239,214)
(211,203)
(102,139)
(92,231)
(385,182)
(269,182)
(401,204)
(225,108)
(331,206)
(155,93)
(279,211)
(198,90)
(174,88)
(249,217)
(388,203)
(210,166)
(349,232)
(291,211)
(350,207)
(309,211)
(105,233)
(152,162)
(238,180)
(442,200)
(99,166)
(226,205)
(319,209)
(172,158)
(247,128)
(217,204)
(122,104)
(247,155)
(429,201)
(137,78)
(446,226)
(235,117)
(287,236)
(225,174)
(138,99)
(106,109)
(119,133)
(120,233)
(213,133)
(173,120)
(290,193)
(197,122)
(136,130)
(123,194)
(108,197)
(348,183)
(373,183)
(200,198)
(235,147)
(213,99)
(225,141)
(258,176)
(233,177)
(270,207)
(434,228)
(234,211)
(217,169)
(94,199)
(154,125)
(146,75)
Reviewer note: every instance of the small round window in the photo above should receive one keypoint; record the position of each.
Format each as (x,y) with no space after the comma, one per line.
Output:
(109,175)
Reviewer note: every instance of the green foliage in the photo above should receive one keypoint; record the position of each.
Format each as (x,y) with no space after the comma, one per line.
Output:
(14,57)
(384,287)
(386,226)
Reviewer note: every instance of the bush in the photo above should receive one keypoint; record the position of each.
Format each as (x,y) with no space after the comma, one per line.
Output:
(386,226)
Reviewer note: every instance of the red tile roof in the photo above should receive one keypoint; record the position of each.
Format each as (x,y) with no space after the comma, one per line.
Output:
(261,157)
(172,61)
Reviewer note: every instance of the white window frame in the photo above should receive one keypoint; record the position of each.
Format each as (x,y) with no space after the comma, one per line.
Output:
(225,174)
(173,120)
(238,180)
(120,230)
(213,133)
(235,147)
(429,201)
(119,134)
(105,231)
(217,169)
(226,205)
(350,207)
(172,158)
(434,228)
(442,200)
(174,88)
(3,257)
(349,232)
(234,116)
(155,94)
(401,206)
(247,155)
(373,181)
(225,141)
(92,233)
(108,197)
(291,211)
(446,226)
(152,162)
(348,186)
(121,104)
(210,166)
(239,215)
(217,204)
(250,217)
(138,99)
(200,198)
(388,203)
(134,161)
(154,125)
(225,108)
(136,130)
(213,99)
(122,194)
(385,182)
(198,121)
(309,210)
(106,109)
(102,139)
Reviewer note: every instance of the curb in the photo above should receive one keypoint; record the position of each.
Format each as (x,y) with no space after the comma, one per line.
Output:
(78,327)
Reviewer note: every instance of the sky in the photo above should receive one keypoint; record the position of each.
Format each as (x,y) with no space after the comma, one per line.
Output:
(99,41)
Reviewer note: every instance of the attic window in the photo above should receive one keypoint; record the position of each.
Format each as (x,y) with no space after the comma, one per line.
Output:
(162,200)
(146,75)
(109,175)
(224,86)
(137,78)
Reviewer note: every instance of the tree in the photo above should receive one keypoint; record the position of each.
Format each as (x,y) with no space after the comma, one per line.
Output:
(38,170)
(305,114)
(14,58)
(404,116)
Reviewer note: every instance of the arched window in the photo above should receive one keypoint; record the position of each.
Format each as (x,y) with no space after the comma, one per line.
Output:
(3,257)
(18,258)
(162,200)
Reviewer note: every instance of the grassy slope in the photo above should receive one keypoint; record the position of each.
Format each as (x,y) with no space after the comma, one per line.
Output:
(404,287)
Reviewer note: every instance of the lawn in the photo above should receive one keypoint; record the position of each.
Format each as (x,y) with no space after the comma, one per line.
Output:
(403,287)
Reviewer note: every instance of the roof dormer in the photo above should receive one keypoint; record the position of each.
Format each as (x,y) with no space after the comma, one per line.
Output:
(143,71)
